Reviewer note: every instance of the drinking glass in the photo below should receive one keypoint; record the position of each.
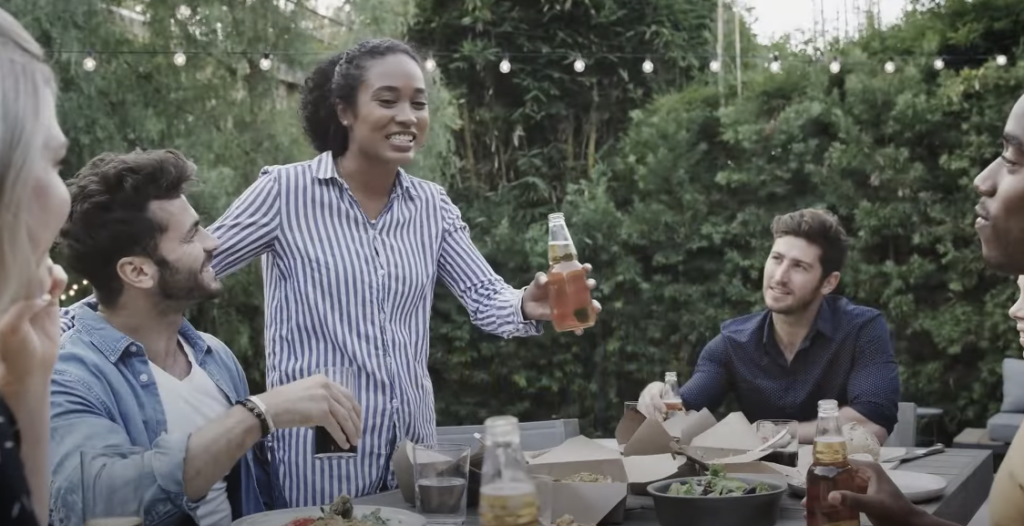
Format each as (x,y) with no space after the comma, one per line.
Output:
(543,483)
(324,445)
(441,472)
(785,451)
(109,497)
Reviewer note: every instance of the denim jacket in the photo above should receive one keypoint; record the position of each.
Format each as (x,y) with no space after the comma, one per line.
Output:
(103,393)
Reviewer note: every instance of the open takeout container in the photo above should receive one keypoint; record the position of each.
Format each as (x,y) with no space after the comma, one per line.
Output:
(405,472)
(698,436)
(594,502)
(733,510)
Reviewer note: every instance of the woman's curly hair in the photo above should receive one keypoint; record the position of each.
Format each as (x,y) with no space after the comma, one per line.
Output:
(336,81)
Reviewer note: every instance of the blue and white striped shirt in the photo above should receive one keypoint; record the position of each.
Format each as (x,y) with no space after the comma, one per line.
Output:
(344,290)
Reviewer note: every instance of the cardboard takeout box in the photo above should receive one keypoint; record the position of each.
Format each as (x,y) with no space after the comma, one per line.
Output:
(594,502)
(699,435)
(640,435)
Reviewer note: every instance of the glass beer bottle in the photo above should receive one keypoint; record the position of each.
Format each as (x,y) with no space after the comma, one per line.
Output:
(670,395)
(568,294)
(508,496)
(830,471)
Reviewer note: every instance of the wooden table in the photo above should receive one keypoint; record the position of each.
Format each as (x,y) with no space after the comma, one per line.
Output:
(968,471)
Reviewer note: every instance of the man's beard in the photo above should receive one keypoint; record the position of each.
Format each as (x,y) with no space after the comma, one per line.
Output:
(799,306)
(183,286)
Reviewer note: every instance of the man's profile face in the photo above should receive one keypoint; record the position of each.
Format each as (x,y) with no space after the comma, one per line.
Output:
(793,276)
(1000,210)
(186,251)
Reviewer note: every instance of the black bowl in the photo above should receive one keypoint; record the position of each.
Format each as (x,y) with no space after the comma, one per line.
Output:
(760,509)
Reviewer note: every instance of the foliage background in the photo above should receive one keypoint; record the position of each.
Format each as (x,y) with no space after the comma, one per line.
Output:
(669,186)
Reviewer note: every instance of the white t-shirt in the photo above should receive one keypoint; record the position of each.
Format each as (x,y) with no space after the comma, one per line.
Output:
(190,404)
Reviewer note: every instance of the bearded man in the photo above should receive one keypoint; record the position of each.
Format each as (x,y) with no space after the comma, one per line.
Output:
(134,375)
(808,345)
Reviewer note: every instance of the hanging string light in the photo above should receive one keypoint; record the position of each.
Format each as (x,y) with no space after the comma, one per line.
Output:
(266,63)
(89,64)
(179,58)
(69,292)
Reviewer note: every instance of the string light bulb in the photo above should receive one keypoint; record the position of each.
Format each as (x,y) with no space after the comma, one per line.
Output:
(430,64)
(835,66)
(579,65)
(648,66)
(715,66)
(505,65)
(890,66)
(347,7)
(89,64)
(180,59)
(939,63)
(265,62)
(1001,60)
(775,66)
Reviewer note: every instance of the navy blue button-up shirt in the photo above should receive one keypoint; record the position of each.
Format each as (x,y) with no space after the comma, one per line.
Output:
(847,356)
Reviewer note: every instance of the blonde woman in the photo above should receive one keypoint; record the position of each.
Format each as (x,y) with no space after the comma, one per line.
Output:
(33,205)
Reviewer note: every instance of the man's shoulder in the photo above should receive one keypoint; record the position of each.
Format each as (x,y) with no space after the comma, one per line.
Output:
(847,312)
(79,356)
(221,351)
(746,328)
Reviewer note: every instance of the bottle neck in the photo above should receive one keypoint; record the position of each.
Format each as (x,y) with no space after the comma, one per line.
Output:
(828,426)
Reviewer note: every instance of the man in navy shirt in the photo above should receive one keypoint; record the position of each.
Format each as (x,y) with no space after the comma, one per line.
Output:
(806,346)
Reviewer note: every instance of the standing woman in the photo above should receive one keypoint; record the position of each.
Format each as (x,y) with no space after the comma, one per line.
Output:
(352,246)
(33,205)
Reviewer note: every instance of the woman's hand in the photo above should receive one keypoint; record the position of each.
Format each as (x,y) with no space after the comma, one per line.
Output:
(30,334)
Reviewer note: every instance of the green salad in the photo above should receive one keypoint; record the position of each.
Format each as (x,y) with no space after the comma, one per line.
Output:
(716,484)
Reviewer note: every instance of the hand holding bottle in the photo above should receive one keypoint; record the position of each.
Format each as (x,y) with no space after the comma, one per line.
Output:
(651,403)
(660,400)
(878,497)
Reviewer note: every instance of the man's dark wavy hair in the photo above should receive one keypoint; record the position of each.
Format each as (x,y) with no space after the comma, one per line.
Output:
(110,217)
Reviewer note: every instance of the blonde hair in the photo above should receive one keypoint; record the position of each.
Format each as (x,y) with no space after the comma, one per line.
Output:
(26,81)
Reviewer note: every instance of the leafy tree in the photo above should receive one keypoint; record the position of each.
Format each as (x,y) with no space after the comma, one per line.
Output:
(221,109)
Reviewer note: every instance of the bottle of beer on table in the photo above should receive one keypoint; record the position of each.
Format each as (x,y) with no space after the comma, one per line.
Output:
(508,497)
(568,294)
(830,471)
(670,395)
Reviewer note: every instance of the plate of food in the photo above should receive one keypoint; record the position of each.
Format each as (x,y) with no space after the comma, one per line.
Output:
(340,513)
(918,487)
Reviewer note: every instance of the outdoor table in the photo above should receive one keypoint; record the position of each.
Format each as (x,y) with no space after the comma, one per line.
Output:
(969,473)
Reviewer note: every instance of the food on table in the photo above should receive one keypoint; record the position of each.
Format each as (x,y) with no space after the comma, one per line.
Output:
(340,513)
(587,477)
(716,484)
(568,520)
(860,440)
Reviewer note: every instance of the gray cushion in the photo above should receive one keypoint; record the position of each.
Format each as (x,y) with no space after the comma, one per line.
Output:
(1002,427)
(1013,386)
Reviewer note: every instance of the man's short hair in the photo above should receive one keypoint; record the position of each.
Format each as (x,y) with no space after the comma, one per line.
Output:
(110,217)
(820,228)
